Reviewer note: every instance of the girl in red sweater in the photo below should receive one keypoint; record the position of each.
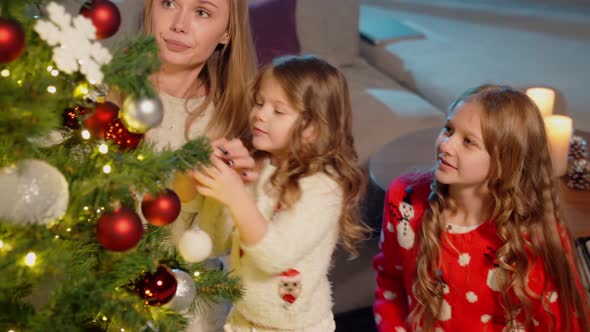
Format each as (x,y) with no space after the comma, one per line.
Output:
(477,244)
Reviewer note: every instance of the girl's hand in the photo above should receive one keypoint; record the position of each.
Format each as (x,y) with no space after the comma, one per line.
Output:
(221,182)
(236,156)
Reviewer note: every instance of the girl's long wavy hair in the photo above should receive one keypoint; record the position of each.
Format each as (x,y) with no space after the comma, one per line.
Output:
(225,76)
(320,93)
(524,211)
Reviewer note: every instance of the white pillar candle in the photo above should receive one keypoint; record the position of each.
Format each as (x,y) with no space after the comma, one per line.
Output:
(559,132)
(544,98)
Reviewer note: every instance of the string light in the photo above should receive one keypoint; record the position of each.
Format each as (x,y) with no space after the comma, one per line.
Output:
(85,208)
(68,230)
(104,318)
(85,134)
(19,82)
(54,72)
(140,157)
(30,259)
(81,90)
(5,73)
(106,169)
(122,330)
(103,148)
(197,274)
(51,89)
(49,68)
(1,244)
(57,236)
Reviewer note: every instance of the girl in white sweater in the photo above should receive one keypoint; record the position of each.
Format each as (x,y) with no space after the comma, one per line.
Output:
(305,201)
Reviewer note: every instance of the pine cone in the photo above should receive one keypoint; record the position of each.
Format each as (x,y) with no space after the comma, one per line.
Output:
(578,175)
(577,148)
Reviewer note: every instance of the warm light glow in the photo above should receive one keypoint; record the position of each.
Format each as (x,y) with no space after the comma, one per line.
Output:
(85,134)
(19,82)
(104,318)
(57,236)
(122,330)
(103,148)
(54,72)
(544,98)
(85,208)
(559,133)
(92,82)
(1,244)
(81,90)
(140,157)
(30,259)
(159,283)
(50,68)
(51,89)
(106,169)
(68,230)
(196,274)
(5,73)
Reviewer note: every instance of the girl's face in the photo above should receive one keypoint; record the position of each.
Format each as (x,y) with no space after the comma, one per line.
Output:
(272,119)
(462,158)
(188,31)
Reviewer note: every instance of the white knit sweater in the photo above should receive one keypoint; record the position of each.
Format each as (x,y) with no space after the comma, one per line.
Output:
(286,274)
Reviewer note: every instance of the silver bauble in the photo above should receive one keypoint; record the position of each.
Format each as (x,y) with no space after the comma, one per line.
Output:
(32,192)
(139,115)
(185,291)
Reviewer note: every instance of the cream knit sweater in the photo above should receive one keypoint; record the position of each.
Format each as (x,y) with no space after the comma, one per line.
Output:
(286,274)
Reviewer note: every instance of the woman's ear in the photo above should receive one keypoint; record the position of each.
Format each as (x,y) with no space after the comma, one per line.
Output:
(225,38)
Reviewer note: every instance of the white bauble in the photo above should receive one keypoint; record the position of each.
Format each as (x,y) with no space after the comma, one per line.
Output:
(185,291)
(32,192)
(195,245)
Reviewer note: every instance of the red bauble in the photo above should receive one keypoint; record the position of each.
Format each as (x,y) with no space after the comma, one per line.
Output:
(119,230)
(125,139)
(70,116)
(99,121)
(157,288)
(12,40)
(161,209)
(104,15)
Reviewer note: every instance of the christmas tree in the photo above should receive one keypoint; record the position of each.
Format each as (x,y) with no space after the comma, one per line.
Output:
(74,253)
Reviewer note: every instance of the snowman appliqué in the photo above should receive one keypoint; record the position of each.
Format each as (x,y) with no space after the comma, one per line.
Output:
(403,213)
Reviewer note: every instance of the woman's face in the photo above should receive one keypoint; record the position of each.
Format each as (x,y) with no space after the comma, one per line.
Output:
(188,31)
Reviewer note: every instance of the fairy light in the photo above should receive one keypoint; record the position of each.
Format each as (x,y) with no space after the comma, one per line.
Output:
(92,82)
(68,230)
(30,259)
(19,82)
(1,244)
(86,208)
(49,68)
(122,330)
(85,134)
(106,169)
(197,273)
(54,72)
(57,236)
(103,148)
(5,73)
(104,318)
(140,157)
(51,89)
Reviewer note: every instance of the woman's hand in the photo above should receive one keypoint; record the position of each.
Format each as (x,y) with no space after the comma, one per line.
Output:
(219,181)
(236,156)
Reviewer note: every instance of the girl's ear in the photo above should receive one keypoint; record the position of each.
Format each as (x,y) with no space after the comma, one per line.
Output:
(225,38)
(309,134)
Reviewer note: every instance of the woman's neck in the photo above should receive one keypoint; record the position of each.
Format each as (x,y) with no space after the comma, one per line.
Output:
(180,82)
(471,206)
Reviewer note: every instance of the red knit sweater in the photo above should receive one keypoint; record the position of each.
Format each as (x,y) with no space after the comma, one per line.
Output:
(471,297)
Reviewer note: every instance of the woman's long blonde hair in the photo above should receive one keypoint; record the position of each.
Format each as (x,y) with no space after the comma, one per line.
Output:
(225,76)
(320,93)
(524,211)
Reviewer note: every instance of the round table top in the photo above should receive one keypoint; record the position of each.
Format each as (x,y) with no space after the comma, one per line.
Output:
(411,152)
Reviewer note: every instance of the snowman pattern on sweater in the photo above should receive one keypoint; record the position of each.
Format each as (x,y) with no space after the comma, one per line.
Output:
(403,213)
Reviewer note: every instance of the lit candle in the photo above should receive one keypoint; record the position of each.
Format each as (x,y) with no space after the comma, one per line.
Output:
(559,132)
(544,98)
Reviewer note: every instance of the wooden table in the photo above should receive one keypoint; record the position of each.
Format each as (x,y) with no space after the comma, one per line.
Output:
(416,151)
